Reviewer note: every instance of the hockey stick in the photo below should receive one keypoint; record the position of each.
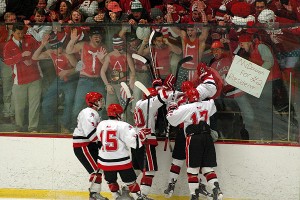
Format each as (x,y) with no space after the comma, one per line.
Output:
(150,48)
(128,94)
(154,67)
(181,62)
(146,62)
(147,93)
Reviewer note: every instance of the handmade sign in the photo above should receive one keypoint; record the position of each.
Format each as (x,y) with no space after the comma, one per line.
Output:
(247,76)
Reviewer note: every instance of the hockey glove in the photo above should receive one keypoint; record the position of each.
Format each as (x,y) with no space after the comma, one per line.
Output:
(143,134)
(156,83)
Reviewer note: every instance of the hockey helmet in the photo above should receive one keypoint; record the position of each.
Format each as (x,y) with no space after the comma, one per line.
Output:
(114,110)
(91,98)
(153,93)
(192,95)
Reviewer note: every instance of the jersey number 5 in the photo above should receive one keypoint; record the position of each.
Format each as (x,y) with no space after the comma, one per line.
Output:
(109,143)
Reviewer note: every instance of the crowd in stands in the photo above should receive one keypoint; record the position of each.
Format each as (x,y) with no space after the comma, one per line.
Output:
(96,39)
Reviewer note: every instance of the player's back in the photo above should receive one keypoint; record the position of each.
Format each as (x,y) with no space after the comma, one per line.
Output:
(115,136)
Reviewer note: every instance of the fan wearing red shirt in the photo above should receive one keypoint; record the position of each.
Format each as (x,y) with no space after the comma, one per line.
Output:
(26,76)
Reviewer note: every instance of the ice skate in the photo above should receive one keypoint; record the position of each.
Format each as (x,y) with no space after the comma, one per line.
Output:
(202,190)
(217,193)
(125,194)
(194,197)
(97,196)
(143,197)
(170,190)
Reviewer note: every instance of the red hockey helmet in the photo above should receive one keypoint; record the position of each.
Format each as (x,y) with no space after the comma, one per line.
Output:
(91,98)
(187,85)
(153,93)
(192,95)
(114,110)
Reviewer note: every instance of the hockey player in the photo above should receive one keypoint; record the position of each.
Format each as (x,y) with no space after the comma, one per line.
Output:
(198,140)
(208,81)
(114,156)
(178,153)
(85,142)
(147,151)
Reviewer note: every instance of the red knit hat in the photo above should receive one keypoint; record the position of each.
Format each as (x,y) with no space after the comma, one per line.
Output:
(227,4)
(245,38)
(241,9)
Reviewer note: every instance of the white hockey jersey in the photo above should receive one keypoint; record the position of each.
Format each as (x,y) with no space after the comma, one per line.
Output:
(192,113)
(116,138)
(85,132)
(140,116)
(207,88)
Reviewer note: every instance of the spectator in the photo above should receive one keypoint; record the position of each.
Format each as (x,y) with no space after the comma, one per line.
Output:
(262,55)
(41,4)
(141,70)
(126,5)
(27,78)
(92,57)
(65,83)
(221,63)
(284,42)
(117,65)
(138,14)
(114,15)
(193,44)
(77,18)
(160,53)
(61,11)
(37,31)
(6,71)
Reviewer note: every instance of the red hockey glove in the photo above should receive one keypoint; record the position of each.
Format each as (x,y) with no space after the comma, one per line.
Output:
(143,134)
(156,82)
(169,82)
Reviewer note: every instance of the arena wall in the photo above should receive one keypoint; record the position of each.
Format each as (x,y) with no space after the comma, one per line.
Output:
(245,171)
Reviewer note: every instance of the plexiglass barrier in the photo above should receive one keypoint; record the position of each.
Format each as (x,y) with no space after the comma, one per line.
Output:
(46,77)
